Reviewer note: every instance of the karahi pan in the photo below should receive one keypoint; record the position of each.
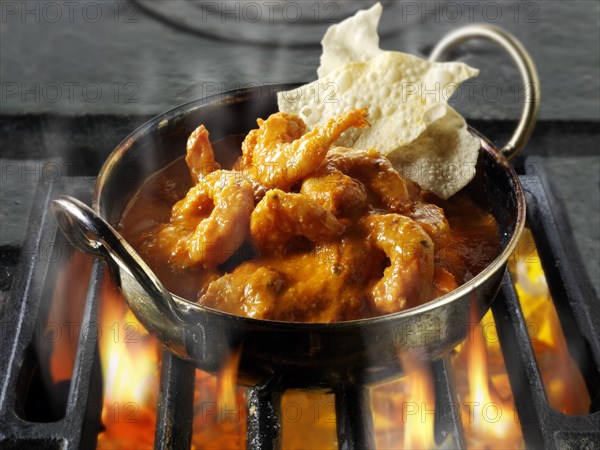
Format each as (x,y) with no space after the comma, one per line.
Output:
(297,355)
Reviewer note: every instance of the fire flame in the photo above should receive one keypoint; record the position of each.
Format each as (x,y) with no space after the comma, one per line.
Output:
(130,368)
(402,409)
(220,409)
(488,418)
(308,420)
(418,408)
(227,381)
(565,387)
(68,301)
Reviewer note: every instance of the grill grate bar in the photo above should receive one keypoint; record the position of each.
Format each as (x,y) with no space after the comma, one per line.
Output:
(572,293)
(264,418)
(542,426)
(523,373)
(354,420)
(175,410)
(575,300)
(79,428)
(448,424)
(577,308)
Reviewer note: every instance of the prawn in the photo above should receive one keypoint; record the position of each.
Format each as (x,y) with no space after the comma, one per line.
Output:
(387,185)
(433,221)
(279,128)
(279,154)
(407,281)
(280,216)
(377,174)
(200,157)
(250,290)
(212,221)
(335,191)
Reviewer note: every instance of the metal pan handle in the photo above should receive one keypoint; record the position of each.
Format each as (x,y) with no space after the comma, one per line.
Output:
(526,67)
(90,233)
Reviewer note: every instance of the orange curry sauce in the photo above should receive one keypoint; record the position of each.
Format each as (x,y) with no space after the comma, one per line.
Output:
(378,264)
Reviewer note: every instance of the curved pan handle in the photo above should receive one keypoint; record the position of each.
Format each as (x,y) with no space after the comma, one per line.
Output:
(526,67)
(90,233)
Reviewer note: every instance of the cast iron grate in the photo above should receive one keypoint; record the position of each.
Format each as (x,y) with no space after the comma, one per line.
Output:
(543,427)
(79,422)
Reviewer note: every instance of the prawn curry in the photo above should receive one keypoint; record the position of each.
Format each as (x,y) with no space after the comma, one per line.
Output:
(298,229)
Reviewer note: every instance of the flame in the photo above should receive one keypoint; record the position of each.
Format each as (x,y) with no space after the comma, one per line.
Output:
(65,314)
(419,405)
(488,408)
(220,408)
(489,419)
(403,413)
(130,366)
(308,420)
(562,379)
(227,382)
(403,410)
